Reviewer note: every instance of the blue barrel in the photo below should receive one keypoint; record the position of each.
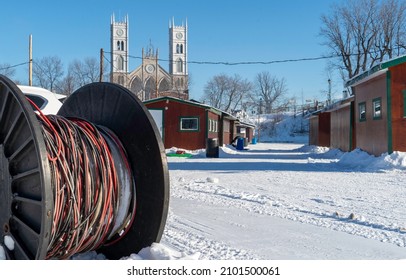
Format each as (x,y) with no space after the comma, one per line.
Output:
(240,143)
(254,140)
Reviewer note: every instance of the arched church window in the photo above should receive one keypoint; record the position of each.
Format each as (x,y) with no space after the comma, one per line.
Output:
(149,89)
(179,48)
(136,86)
(122,45)
(118,46)
(179,65)
(120,62)
(164,85)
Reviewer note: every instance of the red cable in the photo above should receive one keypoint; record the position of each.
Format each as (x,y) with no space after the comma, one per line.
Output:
(85,185)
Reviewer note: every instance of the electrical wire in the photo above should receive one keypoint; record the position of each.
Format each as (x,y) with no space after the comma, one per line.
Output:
(85,183)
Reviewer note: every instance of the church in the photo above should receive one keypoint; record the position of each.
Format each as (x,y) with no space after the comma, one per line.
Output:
(150,80)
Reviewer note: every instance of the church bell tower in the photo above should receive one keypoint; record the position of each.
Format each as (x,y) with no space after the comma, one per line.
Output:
(119,51)
(178,56)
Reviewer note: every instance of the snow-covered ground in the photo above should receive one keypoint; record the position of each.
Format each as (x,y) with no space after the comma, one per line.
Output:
(288,201)
(284,201)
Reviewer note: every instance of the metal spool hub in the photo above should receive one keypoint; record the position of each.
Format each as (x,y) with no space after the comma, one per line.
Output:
(26,197)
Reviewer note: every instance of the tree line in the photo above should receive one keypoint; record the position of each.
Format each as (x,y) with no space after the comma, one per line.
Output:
(230,93)
(48,72)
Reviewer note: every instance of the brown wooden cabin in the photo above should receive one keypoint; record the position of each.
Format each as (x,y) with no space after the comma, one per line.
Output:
(189,124)
(319,129)
(342,128)
(380,107)
(245,130)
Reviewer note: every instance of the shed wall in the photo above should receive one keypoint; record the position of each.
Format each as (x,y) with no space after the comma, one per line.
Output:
(324,129)
(398,86)
(173,136)
(371,134)
(341,128)
(314,131)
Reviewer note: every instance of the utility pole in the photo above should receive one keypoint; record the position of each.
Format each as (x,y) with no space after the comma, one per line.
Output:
(329,92)
(30,61)
(259,117)
(101,65)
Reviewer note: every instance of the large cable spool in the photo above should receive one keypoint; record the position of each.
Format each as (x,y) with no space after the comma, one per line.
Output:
(26,192)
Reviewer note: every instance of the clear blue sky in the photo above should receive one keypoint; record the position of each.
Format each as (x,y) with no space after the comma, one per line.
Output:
(226,31)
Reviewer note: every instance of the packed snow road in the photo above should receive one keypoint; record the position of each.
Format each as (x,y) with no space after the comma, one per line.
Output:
(288,201)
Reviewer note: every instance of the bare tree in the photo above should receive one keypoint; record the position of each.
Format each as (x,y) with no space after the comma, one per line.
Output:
(7,70)
(48,72)
(215,90)
(270,91)
(86,71)
(238,89)
(67,85)
(227,93)
(363,33)
(391,38)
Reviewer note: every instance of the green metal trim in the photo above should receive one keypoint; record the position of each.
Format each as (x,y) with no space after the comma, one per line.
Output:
(207,125)
(389,111)
(376,68)
(394,62)
(362,76)
(204,106)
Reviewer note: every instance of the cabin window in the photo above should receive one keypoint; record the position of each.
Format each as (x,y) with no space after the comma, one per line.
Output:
(213,126)
(189,124)
(362,108)
(377,108)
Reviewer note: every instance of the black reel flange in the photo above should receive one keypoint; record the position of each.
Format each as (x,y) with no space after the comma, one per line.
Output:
(26,196)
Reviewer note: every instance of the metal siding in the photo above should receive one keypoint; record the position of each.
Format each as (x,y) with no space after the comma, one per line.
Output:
(341,128)
(324,129)
(314,130)
(398,121)
(371,135)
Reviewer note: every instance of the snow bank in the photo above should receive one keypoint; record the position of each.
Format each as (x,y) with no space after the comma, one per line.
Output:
(156,251)
(358,159)
(159,251)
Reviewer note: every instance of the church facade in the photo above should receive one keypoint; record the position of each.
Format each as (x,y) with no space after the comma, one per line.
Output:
(150,80)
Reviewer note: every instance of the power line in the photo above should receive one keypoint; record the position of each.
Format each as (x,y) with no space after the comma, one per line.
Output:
(247,62)
(13,66)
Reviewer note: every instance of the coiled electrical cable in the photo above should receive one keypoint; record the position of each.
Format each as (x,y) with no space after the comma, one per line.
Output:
(92,184)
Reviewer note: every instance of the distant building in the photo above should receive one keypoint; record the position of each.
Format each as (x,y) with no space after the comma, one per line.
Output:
(150,80)
(189,124)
